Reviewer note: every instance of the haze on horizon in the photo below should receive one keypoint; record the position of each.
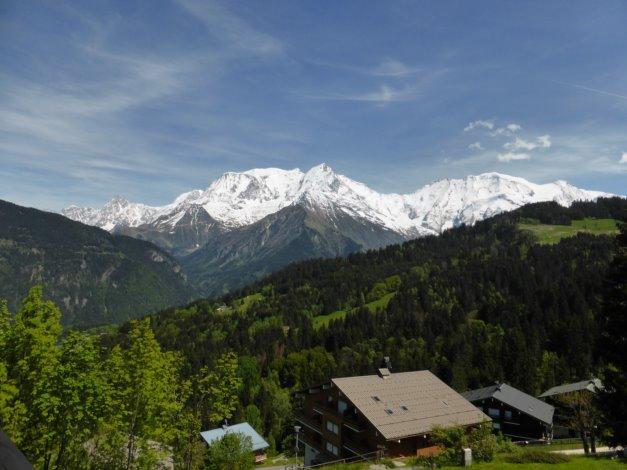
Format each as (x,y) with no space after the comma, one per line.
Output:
(152,99)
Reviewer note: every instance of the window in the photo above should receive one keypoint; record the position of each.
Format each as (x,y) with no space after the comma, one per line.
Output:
(508,414)
(389,411)
(496,425)
(332,448)
(404,408)
(376,398)
(341,406)
(331,426)
(494,412)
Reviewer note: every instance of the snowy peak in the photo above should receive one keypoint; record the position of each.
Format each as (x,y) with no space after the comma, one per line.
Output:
(240,199)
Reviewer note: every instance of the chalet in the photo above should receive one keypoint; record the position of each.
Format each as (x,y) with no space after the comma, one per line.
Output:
(259,443)
(388,413)
(557,396)
(514,413)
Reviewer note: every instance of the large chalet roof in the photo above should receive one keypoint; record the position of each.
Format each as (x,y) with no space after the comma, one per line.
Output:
(408,403)
(591,385)
(516,399)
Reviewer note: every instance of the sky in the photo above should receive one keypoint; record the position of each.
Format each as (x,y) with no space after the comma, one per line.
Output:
(151,98)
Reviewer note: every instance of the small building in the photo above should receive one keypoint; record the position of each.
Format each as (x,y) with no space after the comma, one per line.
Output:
(259,443)
(386,413)
(514,413)
(563,413)
(591,385)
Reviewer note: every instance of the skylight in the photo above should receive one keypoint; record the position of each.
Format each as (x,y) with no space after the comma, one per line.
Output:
(389,411)
(375,398)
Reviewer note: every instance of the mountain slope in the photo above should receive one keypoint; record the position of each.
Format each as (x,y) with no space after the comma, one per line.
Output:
(474,305)
(94,276)
(231,260)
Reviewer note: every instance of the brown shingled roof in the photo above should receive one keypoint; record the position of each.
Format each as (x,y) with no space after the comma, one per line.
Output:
(408,403)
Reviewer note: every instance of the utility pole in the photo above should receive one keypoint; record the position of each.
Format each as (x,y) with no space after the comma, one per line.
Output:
(297,431)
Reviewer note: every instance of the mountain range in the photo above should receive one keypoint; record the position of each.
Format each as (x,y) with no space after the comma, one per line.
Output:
(246,225)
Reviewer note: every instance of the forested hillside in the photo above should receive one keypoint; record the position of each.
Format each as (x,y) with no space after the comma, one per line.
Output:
(95,277)
(474,305)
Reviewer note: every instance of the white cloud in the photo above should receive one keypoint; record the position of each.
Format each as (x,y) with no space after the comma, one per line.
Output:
(512,156)
(479,124)
(509,129)
(475,146)
(518,143)
(623,159)
(544,141)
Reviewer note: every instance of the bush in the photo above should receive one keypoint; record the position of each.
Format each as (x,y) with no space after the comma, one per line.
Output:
(536,456)
(505,445)
(233,451)
(452,440)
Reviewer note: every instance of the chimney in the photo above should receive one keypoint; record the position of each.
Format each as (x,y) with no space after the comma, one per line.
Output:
(388,363)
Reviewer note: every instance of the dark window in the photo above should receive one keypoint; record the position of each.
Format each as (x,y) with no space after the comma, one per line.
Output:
(388,411)
(404,408)
(376,398)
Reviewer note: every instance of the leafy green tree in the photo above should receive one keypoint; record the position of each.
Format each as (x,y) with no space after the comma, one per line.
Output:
(147,395)
(233,451)
(211,396)
(32,359)
(82,394)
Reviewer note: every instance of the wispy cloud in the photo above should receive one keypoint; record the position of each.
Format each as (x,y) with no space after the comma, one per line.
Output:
(386,68)
(593,90)
(385,94)
(512,156)
(623,158)
(231,29)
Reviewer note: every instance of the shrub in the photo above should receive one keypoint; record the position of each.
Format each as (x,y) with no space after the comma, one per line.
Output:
(452,440)
(536,456)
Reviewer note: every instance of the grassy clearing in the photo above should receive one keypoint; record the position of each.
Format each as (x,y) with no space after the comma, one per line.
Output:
(548,234)
(324,320)
(279,460)
(242,305)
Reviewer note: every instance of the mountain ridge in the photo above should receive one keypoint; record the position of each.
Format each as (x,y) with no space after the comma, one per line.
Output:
(240,199)
(245,225)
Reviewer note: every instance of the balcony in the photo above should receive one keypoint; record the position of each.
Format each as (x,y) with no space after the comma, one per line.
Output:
(308,422)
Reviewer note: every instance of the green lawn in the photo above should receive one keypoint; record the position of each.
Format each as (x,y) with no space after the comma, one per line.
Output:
(548,234)
(324,320)
(279,460)
(575,463)
(579,463)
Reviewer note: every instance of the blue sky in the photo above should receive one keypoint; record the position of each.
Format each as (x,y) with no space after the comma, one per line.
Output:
(152,98)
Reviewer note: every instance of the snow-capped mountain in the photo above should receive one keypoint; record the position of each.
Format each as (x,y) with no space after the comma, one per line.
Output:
(240,199)
(246,225)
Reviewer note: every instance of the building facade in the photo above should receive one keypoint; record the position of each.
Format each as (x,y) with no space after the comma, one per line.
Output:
(514,413)
(389,414)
